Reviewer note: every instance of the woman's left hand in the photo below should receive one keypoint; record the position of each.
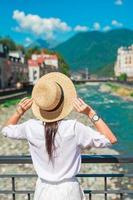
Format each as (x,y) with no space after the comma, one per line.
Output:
(24,105)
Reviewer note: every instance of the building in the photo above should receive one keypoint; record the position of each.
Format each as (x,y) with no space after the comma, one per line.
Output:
(82,74)
(3,51)
(19,68)
(13,68)
(124,62)
(49,60)
(16,56)
(34,71)
(4,67)
(41,64)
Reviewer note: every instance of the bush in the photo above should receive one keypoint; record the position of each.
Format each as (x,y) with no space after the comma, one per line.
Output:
(122,77)
(131,94)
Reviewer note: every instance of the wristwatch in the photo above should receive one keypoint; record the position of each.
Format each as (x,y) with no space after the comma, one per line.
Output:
(95,118)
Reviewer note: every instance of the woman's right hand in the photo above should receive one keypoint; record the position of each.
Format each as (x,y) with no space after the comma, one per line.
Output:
(24,105)
(82,107)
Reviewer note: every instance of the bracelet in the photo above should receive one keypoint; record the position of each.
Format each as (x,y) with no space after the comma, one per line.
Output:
(17,110)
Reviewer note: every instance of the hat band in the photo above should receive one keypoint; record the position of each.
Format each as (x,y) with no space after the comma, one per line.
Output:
(60,102)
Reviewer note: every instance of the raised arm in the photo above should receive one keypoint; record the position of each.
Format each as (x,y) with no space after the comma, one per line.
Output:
(22,107)
(100,125)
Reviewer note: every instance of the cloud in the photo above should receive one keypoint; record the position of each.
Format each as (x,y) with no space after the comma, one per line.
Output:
(46,27)
(106,28)
(96,26)
(118,2)
(79,28)
(116,23)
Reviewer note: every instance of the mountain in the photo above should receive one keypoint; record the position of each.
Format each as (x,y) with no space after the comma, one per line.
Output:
(95,50)
(39,43)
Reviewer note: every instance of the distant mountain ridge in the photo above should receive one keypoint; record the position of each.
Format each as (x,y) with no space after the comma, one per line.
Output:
(40,43)
(95,50)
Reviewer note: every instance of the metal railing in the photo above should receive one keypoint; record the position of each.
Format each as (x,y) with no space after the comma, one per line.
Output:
(122,193)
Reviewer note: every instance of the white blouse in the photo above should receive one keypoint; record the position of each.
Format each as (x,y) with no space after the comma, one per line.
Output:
(71,137)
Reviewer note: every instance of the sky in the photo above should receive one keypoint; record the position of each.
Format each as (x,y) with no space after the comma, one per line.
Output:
(57,20)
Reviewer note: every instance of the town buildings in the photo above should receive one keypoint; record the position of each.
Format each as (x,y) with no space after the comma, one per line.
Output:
(41,64)
(124,62)
(14,68)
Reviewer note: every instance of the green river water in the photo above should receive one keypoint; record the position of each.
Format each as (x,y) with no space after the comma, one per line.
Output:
(117,113)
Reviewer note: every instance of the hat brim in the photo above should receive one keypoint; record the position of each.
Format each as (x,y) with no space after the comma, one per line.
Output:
(66,106)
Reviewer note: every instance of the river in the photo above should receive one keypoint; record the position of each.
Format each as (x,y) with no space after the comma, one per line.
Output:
(115,111)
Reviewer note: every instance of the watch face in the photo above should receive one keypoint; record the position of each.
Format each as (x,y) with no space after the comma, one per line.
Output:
(95,118)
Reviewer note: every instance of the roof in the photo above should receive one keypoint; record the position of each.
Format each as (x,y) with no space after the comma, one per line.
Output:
(32,63)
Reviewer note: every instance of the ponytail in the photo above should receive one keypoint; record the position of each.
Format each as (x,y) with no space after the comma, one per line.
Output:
(50,132)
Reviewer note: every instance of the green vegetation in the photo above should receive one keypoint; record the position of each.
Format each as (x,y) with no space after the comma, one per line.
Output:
(106,71)
(64,67)
(11,102)
(122,77)
(131,94)
(95,50)
(11,45)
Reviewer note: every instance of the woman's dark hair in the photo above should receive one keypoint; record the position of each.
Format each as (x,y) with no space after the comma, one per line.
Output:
(50,132)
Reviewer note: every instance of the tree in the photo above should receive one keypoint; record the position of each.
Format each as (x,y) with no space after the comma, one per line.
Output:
(30,51)
(64,67)
(20,48)
(8,42)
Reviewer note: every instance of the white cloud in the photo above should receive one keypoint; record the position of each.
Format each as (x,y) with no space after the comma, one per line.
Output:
(81,28)
(106,28)
(46,27)
(96,26)
(119,2)
(116,23)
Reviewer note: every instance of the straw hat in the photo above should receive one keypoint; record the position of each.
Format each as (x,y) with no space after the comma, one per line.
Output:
(52,97)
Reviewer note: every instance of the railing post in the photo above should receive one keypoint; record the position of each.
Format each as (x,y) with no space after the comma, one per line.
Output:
(121,196)
(90,196)
(105,187)
(28,196)
(13,188)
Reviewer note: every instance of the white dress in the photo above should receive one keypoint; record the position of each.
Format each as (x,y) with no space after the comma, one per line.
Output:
(57,181)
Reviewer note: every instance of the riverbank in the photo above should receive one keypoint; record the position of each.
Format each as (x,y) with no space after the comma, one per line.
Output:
(116,89)
(20,147)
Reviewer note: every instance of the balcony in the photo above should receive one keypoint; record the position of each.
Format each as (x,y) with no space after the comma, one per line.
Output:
(121,192)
